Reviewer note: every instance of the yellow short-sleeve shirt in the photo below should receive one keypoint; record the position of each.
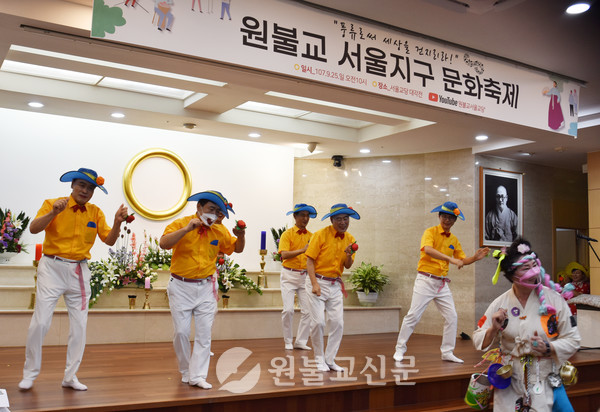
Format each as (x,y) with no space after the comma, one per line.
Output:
(195,255)
(328,251)
(72,234)
(448,245)
(291,240)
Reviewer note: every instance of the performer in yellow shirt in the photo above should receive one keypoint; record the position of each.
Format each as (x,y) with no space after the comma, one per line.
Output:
(196,241)
(328,253)
(71,225)
(439,247)
(292,245)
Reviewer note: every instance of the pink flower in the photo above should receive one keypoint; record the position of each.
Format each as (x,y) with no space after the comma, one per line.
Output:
(523,248)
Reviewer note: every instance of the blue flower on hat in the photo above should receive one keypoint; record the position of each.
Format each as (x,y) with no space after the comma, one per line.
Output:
(450,208)
(301,207)
(217,198)
(341,209)
(85,174)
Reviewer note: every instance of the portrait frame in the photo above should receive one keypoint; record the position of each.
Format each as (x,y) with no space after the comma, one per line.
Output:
(489,182)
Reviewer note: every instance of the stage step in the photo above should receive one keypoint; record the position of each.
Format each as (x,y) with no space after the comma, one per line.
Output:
(155,325)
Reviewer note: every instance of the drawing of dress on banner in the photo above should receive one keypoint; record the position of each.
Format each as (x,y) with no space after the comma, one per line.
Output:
(556,120)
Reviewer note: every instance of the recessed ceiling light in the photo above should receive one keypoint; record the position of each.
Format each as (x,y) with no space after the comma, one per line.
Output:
(37,105)
(578,8)
(443,189)
(477,163)
(117,115)
(365,151)
(254,135)
(428,178)
(481,137)
(436,186)
(454,178)
(386,161)
(525,154)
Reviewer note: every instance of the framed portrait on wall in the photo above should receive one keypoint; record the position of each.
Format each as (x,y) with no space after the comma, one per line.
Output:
(500,207)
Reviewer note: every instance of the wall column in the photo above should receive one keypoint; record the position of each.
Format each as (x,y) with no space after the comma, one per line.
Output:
(593,162)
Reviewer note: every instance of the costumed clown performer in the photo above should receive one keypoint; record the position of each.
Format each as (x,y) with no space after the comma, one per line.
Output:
(292,246)
(535,331)
(196,242)
(328,254)
(71,225)
(439,249)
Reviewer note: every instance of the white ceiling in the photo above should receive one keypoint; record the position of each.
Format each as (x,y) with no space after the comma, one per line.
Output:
(535,32)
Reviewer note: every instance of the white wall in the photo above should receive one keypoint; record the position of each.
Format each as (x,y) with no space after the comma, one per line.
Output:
(36,149)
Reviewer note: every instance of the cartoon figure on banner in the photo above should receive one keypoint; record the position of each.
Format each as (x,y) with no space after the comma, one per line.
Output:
(225,8)
(199,5)
(556,119)
(162,9)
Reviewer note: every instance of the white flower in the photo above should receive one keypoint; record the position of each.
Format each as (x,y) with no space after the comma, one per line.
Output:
(523,248)
(18,224)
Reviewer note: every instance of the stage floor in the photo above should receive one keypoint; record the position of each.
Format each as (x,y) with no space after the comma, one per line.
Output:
(145,376)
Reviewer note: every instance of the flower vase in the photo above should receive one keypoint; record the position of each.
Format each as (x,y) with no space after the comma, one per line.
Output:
(6,257)
(225,302)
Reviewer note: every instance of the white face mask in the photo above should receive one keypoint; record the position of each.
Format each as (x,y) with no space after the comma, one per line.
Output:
(208,216)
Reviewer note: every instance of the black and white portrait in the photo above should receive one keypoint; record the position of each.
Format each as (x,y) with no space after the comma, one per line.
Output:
(501,207)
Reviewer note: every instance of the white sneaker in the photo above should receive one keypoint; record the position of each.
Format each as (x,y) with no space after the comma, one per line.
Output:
(398,356)
(25,384)
(335,367)
(289,346)
(449,357)
(201,383)
(74,384)
(302,346)
(212,353)
(322,366)
(185,379)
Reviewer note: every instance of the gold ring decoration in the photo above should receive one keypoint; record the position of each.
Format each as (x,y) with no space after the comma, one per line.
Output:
(128,184)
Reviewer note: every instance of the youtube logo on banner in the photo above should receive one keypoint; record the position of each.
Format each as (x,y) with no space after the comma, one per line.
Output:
(433,97)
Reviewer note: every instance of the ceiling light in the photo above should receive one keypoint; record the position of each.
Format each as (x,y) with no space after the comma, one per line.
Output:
(365,151)
(117,115)
(442,189)
(336,105)
(454,178)
(525,154)
(436,186)
(168,75)
(578,8)
(336,120)
(254,135)
(271,109)
(145,88)
(481,137)
(428,178)
(386,161)
(49,72)
(36,105)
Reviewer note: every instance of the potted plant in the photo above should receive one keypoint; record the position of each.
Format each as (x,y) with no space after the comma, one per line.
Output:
(368,281)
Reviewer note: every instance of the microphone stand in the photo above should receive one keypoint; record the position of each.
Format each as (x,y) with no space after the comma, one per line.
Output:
(592,247)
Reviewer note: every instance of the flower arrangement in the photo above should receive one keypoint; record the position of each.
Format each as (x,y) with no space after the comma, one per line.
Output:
(276,238)
(11,231)
(156,257)
(123,267)
(230,274)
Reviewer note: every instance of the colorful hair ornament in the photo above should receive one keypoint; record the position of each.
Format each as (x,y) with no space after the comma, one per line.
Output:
(500,255)
(523,248)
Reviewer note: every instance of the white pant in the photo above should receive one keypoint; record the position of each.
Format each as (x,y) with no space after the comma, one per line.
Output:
(425,290)
(291,283)
(332,302)
(188,300)
(56,278)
